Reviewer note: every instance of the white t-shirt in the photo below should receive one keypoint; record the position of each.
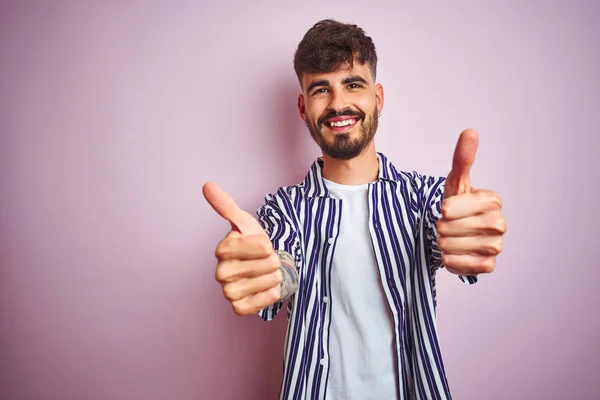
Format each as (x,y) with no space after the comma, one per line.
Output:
(361,341)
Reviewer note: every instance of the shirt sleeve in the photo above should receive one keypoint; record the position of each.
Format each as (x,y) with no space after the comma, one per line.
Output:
(433,191)
(275,218)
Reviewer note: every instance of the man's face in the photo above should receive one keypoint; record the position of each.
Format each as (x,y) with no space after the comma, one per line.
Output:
(341,109)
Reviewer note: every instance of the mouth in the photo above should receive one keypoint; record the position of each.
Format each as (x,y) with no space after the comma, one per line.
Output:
(341,124)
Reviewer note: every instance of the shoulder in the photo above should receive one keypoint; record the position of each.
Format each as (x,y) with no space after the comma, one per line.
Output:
(411,183)
(285,193)
(284,201)
(421,181)
(410,178)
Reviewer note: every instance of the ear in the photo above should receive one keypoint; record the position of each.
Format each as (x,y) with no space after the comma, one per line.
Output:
(302,107)
(379,97)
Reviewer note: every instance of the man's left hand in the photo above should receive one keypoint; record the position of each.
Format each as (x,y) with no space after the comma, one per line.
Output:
(472,226)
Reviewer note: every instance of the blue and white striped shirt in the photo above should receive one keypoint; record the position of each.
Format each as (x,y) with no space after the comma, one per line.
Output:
(304,220)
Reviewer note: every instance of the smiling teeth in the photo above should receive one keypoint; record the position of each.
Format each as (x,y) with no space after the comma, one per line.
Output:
(342,123)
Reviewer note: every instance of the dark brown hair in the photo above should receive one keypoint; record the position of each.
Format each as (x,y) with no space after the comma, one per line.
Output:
(330,44)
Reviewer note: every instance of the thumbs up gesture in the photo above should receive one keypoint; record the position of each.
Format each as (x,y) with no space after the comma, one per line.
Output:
(472,226)
(248,268)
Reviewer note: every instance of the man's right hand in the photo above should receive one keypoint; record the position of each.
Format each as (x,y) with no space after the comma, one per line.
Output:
(248,268)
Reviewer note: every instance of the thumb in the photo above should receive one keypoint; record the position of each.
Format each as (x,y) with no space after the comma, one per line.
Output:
(459,178)
(226,207)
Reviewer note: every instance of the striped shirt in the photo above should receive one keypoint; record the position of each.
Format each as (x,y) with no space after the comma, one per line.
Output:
(304,220)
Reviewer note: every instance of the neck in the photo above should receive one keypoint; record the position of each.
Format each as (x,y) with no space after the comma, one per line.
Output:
(359,170)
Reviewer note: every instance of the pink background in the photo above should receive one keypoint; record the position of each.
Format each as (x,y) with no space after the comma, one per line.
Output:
(113,116)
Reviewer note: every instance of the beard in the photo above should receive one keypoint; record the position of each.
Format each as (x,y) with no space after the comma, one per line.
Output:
(342,146)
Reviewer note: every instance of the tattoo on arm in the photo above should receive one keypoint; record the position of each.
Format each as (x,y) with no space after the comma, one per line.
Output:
(289,284)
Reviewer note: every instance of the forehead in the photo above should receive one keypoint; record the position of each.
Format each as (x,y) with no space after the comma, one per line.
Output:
(337,76)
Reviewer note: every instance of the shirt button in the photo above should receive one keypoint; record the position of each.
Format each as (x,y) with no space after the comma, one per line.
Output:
(330,240)
(322,361)
(325,299)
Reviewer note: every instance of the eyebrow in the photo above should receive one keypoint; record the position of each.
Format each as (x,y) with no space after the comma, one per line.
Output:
(315,84)
(346,81)
(354,79)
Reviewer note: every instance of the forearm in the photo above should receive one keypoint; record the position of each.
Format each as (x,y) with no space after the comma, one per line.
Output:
(289,282)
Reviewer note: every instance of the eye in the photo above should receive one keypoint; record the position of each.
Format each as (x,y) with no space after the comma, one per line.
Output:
(354,86)
(320,91)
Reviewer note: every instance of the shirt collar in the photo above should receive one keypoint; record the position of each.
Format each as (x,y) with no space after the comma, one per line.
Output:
(314,184)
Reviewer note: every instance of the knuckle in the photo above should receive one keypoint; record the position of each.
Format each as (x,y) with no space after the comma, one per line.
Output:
(488,250)
(446,207)
(486,266)
(266,244)
(454,271)
(240,309)
(223,248)
(484,193)
(446,260)
(273,295)
(277,276)
(498,200)
(489,265)
(274,262)
(443,244)
(220,273)
(498,245)
(262,244)
(441,227)
(230,292)
(494,199)
(223,273)
(494,247)
(500,225)
(490,198)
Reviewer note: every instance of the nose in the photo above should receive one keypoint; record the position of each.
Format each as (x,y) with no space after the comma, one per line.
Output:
(338,101)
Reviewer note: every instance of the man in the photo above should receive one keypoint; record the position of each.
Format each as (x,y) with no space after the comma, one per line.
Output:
(356,245)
